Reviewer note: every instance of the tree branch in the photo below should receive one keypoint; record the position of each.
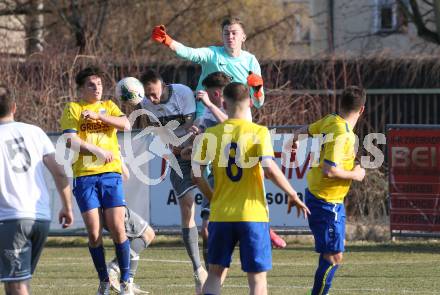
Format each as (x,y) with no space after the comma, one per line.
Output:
(428,3)
(173,18)
(102,16)
(269,27)
(437,17)
(417,18)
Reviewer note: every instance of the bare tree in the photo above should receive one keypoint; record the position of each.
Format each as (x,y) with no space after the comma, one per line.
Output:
(425,14)
(123,27)
(34,27)
(85,19)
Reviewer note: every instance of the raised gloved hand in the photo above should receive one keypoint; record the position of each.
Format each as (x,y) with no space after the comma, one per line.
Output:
(160,35)
(256,83)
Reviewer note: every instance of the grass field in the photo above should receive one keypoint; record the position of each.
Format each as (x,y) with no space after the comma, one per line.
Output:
(389,268)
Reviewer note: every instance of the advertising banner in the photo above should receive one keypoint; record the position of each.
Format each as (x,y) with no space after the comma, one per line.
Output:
(414,180)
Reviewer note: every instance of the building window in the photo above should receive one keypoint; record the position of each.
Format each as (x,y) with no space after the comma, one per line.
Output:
(386,18)
(389,17)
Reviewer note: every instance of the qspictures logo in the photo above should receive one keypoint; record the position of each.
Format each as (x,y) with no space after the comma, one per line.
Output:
(164,139)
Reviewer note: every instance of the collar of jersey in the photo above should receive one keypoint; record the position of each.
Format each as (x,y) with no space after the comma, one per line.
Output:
(8,122)
(235,120)
(83,102)
(347,125)
(229,56)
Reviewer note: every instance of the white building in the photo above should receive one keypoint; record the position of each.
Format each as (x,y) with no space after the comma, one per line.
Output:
(364,27)
(12,35)
(21,33)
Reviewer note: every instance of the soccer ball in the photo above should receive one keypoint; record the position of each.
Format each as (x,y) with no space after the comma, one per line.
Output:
(130,90)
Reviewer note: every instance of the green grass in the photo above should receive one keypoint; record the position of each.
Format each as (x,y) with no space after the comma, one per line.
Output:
(369,268)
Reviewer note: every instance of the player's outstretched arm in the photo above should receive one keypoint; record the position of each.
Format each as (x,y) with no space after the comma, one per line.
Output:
(186,151)
(273,172)
(332,171)
(121,123)
(202,96)
(78,145)
(159,34)
(65,215)
(197,55)
(202,184)
(183,130)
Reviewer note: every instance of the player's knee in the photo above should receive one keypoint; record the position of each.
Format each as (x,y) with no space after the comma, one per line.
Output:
(117,230)
(338,258)
(149,235)
(117,234)
(186,202)
(334,258)
(7,288)
(16,288)
(95,239)
(216,270)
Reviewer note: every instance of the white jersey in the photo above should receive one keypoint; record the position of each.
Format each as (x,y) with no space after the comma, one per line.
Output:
(180,103)
(23,191)
(206,120)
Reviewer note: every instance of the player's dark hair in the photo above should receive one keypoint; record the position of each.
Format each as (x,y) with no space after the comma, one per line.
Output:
(232,20)
(216,79)
(6,101)
(236,92)
(82,75)
(353,98)
(150,76)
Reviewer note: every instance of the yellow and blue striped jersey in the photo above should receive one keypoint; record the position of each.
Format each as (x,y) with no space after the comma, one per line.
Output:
(235,149)
(337,149)
(97,133)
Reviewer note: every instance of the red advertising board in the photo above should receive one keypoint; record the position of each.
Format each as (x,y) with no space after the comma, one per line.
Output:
(414,183)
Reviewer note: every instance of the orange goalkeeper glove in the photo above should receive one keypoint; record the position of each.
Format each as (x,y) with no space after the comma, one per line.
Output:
(160,35)
(256,83)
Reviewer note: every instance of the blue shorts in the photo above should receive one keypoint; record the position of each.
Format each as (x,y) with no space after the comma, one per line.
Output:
(255,246)
(327,222)
(98,191)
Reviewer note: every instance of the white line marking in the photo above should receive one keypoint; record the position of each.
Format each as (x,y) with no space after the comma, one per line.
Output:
(401,291)
(238,263)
